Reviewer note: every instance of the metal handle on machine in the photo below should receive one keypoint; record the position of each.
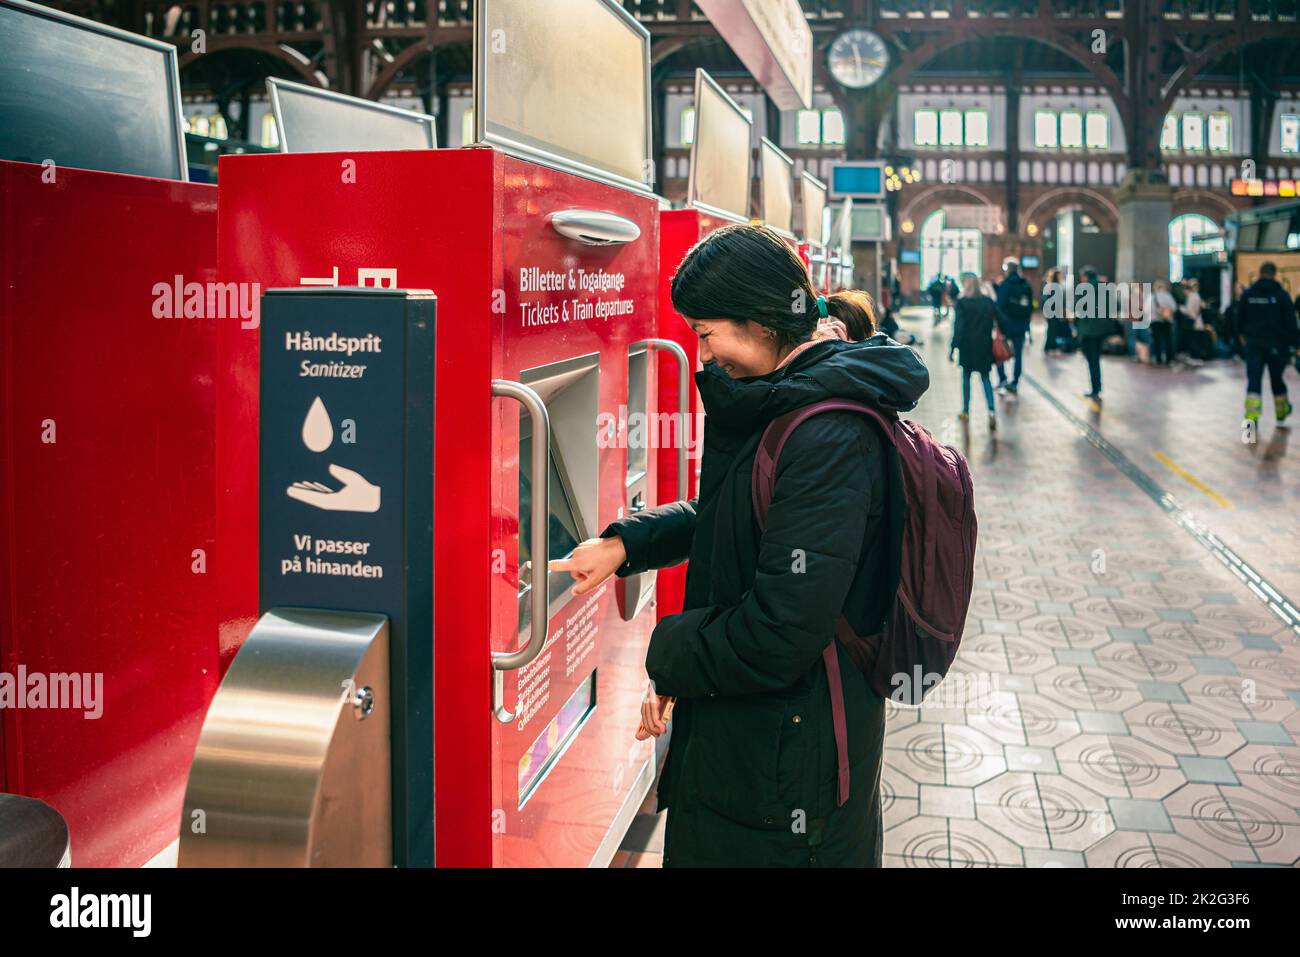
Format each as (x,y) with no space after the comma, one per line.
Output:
(594,227)
(539,520)
(683,405)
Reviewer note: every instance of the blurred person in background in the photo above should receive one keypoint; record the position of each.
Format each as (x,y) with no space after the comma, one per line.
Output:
(936,291)
(1159,311)
(1266,324)
(1058,329)
(1192,337)
(1093,330)
(972,338)
(1015,305)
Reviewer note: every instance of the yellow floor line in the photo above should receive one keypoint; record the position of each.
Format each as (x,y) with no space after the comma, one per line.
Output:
(1191,479)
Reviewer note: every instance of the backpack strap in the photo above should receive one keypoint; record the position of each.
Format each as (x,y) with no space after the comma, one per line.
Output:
(778,432)
(763,484)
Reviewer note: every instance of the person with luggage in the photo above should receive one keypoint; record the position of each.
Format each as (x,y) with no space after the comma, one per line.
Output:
(972,338)
(748,660)
(1015,307)
(1266,325)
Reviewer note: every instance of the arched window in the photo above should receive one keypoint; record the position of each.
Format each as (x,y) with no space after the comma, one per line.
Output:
(948,252)
(1183,231)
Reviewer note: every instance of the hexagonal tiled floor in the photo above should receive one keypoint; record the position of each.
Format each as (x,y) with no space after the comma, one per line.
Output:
(1146,703)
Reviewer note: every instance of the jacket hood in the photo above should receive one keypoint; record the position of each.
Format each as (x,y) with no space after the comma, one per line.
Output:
(877,371)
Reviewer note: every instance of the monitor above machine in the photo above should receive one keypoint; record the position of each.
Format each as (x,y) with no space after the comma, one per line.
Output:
(721,169)
(80,94)
(776,187)
(813,197)
(309,119)
(565,83)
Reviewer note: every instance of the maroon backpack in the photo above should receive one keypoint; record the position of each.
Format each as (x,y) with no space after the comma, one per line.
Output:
(933,523)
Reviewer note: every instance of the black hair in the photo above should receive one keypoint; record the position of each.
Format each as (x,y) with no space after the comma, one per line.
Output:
(750,272)
(854,308)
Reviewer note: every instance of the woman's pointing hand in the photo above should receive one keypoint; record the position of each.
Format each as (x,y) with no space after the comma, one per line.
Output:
(591,562)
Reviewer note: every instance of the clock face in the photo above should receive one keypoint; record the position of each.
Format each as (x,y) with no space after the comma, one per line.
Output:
(858,58)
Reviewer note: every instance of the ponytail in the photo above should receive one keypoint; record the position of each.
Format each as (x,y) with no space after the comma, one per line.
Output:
(855,310)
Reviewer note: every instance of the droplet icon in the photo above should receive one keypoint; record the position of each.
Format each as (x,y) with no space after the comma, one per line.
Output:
(317,430)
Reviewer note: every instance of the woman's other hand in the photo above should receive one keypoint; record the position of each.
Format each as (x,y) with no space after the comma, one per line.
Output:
(592,562)
(652,714)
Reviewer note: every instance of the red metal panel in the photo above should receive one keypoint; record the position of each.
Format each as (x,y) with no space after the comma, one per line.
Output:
(97,556)
(679,230)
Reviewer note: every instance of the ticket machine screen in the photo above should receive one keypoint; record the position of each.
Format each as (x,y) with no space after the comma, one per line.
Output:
(565,532)
(569,388)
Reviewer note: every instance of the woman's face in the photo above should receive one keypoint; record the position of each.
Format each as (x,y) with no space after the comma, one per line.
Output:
(741,349)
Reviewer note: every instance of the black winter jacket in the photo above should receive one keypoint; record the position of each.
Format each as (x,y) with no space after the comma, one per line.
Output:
(750,775)
(1265,314)
(972,332)
(1015,304)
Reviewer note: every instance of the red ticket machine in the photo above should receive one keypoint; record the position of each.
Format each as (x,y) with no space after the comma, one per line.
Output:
(108,644)
(545,282)
(519,300)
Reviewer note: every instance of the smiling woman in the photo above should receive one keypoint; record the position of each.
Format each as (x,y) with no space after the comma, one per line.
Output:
(757,773)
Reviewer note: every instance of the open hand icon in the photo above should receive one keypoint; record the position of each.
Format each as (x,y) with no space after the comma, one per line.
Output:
(356,495)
